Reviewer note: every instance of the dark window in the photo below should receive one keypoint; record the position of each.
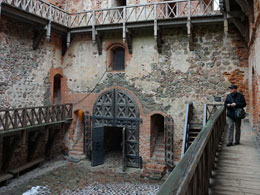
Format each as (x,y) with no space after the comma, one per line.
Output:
(57,89)
(120,2)
(118,58)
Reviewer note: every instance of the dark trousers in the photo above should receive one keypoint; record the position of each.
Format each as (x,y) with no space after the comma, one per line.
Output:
(231,124)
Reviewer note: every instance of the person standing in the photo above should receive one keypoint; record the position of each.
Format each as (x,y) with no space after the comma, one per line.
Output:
(233,101)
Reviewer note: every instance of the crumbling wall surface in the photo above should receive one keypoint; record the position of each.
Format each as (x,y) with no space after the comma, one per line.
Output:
(23,71)
(254,71)
(164,82)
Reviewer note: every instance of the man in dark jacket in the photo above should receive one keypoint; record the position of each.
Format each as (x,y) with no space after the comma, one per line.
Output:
(233,101)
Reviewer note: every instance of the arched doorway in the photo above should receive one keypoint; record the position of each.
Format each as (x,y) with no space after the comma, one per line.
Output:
(157,132)
(117,109)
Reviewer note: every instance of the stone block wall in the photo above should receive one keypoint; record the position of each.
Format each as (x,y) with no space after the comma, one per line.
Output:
(161,82)
(24,72)
(24,77)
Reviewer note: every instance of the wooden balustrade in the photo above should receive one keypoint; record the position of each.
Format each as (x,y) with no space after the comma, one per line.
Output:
(22,118)
(192,174)
(116,15)
(208,111)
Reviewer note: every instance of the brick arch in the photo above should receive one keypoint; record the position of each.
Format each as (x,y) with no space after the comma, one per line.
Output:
(117,108)
(63,79)
(110,45)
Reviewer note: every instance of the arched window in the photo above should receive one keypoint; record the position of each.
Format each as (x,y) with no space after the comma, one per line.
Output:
(118,58)
(57,89)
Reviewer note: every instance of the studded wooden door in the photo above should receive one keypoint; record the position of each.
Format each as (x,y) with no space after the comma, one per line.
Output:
(97,155)
(87,136)
(168,129)
(117,108)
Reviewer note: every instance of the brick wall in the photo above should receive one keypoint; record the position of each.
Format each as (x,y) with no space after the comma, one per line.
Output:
(254,71)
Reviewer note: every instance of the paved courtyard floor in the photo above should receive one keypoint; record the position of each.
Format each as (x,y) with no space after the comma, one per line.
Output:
(63,177)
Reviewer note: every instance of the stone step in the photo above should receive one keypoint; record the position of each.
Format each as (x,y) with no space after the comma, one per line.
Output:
(76,153)
(158,167)
(195,126)
(159,150)
(77,149)
(158,155)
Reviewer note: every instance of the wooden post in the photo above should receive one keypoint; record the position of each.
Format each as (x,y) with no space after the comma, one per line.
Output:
(6,125)
(155,22)
(1,1)
(225,24)
(1,152)
(124,24)
(93,27)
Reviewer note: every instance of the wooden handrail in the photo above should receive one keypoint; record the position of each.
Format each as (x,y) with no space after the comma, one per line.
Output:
(21,118)
(192,174)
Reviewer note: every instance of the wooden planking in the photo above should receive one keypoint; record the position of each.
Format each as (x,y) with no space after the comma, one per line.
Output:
(238,167)
(5,177)
(26,166)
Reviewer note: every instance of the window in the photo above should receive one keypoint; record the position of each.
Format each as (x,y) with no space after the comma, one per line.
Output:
(57,89)
(118,3)
(118,58)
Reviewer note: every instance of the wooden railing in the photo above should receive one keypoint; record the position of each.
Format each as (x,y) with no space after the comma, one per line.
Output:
(42,9)
(22,118)
(192,174)
(208,111)
(115,15)
(146,12)
(188,117)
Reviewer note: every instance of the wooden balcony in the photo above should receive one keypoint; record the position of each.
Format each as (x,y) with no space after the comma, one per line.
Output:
(126,18)
(13,120)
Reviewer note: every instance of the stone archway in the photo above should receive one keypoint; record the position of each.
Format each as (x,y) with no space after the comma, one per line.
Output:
(116,108)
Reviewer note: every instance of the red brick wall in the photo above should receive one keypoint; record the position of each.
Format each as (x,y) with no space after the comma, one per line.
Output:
(254,70)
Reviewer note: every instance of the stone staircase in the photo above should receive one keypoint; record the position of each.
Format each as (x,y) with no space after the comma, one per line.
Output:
(77,151)
(155,168)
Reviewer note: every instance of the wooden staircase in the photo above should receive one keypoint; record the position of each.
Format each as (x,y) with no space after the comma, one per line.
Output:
(193,125)
(194,130)
(155,168)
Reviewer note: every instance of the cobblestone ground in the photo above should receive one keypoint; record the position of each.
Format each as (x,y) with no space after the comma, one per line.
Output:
(63,177)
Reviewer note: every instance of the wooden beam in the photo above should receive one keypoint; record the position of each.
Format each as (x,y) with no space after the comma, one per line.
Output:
(159,41)
(236,14)
(37,38)
(243,29)
(189,26)
(99,41)
(1,8)
(48,31)
(246,8)
(129,40)
(66,43)
(227,5)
